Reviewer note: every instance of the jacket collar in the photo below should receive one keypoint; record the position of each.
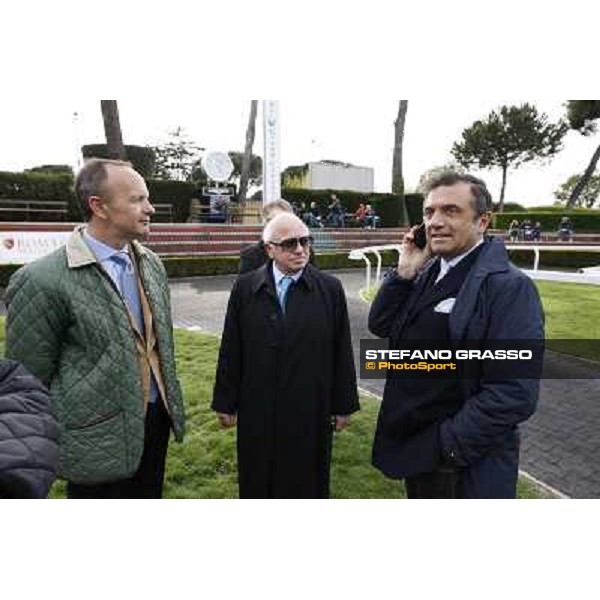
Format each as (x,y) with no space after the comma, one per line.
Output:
(263,277)
(492,259)
(80,255)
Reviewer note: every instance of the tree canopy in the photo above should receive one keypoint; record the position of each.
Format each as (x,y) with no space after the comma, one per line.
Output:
(507,138)
(176,158)
(582,116)
(180,159)
(587,197)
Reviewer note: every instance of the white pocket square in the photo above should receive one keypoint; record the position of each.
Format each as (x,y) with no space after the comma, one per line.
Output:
(445,306)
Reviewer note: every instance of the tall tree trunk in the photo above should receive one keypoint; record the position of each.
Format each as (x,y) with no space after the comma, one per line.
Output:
(585,178)
(502,189)
(397,176)
(112,129)
(246,161)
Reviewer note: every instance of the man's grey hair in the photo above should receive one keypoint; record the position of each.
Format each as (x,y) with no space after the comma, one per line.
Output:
(90,181)
(275,206)
(482,199)
(271,232)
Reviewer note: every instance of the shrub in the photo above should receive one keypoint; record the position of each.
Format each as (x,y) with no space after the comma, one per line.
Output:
(584,221)
(142,158)
(512,207)
(177,193)
(414,207)
(555,258)
(340,260)
(194,266)
(66,169)
(39,186)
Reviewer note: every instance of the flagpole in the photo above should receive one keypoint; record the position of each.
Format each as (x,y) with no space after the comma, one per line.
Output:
(271,156)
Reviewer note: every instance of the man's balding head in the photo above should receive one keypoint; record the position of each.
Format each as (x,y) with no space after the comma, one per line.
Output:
(283,226)
(287,242)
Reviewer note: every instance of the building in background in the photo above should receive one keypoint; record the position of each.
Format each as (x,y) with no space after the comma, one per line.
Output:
(330,175)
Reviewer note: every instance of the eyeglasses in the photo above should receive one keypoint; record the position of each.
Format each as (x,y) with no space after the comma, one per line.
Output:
(291,244)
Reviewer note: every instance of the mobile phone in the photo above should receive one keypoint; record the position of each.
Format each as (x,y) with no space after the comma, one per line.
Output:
(420,239)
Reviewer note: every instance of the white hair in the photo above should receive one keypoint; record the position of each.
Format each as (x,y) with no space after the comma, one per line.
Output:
(271,232)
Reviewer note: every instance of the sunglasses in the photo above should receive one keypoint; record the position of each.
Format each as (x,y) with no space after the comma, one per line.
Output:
(291,244)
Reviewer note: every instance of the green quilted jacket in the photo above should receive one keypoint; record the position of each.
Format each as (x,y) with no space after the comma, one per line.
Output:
(69,326)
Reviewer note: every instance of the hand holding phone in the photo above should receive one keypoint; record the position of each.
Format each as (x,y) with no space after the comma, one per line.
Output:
(414,254)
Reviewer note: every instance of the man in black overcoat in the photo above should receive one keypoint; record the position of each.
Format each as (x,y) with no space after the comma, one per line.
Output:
(286,373)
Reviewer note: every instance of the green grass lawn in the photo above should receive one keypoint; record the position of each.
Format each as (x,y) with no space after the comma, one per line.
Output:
(204,466)
(572,310)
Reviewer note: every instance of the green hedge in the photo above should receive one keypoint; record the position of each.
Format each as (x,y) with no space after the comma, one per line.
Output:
(194,266)
(226,265)
(512,207)
(340,260)
(143,158)
(38,186)
(59,186)
(414,207)
(555,259)
(584,221)
(54,169)
(555,209)
(177,193)
(387,206)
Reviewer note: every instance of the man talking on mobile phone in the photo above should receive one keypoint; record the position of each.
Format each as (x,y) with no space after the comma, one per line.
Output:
(454,437)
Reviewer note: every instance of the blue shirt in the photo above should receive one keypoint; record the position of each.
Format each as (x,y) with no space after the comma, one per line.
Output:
(126,281)
(278,275)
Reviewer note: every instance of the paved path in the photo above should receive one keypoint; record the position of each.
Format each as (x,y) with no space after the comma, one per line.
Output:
(560,443)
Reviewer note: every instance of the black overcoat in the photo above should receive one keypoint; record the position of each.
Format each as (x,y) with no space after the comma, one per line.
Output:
(285,376)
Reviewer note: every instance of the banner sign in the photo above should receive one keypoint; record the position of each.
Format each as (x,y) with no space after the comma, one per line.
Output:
(21,247)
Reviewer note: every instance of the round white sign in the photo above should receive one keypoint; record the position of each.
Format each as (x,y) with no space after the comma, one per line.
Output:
(217,165)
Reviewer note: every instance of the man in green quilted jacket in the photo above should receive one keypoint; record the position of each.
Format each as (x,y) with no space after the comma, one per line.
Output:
(93,321)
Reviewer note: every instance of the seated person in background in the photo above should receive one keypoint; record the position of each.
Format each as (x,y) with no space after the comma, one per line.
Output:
(312,218)
(565,230)
(371,217)
(527,230)
(360,214)
(513,230)
(219,208)
(298,209)
(28,434)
